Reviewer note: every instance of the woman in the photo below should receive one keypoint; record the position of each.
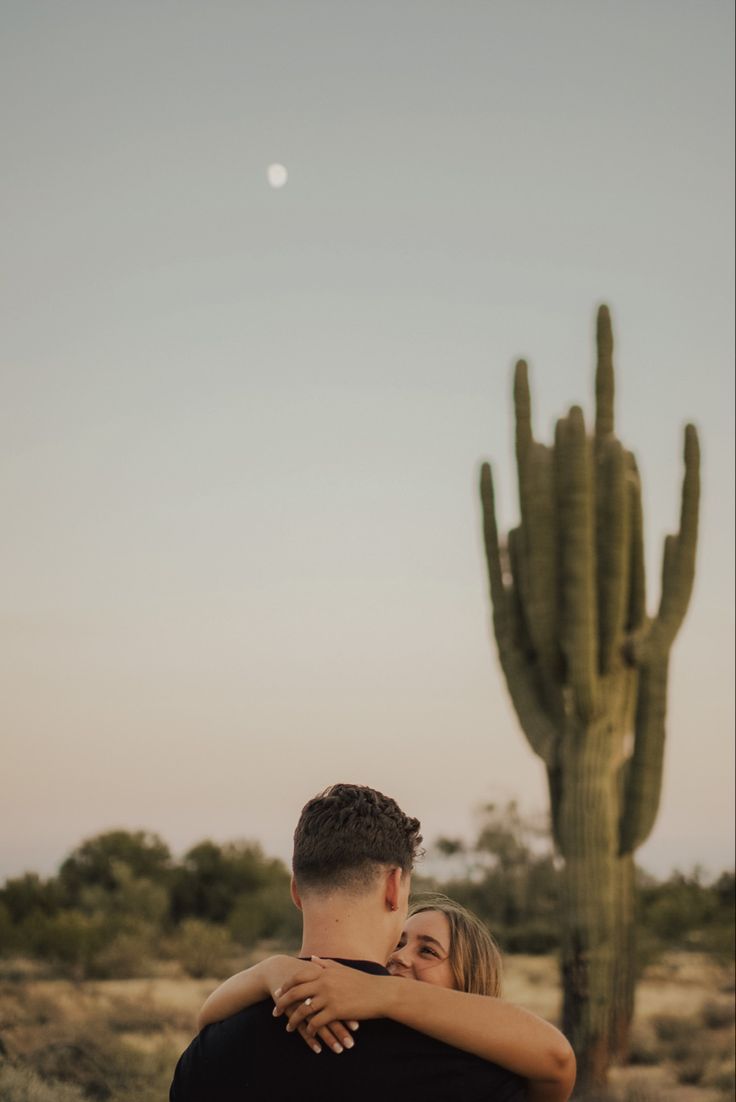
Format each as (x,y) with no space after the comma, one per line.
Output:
(453,969)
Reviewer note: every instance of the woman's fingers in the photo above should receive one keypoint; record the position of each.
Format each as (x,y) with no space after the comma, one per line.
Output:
(335,1035)
(310,1040)
(291,996)
(303,1013)
(316,1020)
(305,974)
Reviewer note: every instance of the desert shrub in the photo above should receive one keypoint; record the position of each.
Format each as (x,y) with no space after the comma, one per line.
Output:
(723,1078)
(266,913)
(23,895)
(126,955)
(212,877)
(718,1015)
(19,1084)
(127,896)
(672,1029)
(638,1090)
(643,1049)
(104,1070)
(141,1016)
(104,1066)
(95,862)
(202,948)
(717,938)
(641,1091)
(535,937)
(686,912)
(8,935)
(691,1068)
(70,938)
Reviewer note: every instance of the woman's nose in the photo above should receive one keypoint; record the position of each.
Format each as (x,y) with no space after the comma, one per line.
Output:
(398,960)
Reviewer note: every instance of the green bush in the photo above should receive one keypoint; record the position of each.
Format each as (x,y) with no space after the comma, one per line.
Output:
(70,938)
(268,912)
(202,948)
(94,863)
(23,895)
(8,931)
(126,955)
(211,878)
(126,897)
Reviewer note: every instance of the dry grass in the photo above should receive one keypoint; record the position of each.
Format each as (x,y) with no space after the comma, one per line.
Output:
(119,1039)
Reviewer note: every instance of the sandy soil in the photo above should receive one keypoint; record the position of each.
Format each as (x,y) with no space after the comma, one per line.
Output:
(159,1012)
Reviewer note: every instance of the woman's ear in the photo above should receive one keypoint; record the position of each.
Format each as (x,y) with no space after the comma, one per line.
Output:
(296,898)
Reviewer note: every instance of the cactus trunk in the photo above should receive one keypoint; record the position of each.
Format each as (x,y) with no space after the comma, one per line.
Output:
(587,673)
(587,831)
(624,954)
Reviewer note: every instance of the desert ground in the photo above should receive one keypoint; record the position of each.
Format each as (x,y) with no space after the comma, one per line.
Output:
(119,1039)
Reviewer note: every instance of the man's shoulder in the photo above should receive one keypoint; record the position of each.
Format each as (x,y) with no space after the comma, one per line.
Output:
(251,1055)
(421,1058)
(220,1058)
(241,1027)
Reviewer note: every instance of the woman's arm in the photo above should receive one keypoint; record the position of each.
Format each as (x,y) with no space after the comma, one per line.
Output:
(246,988)
(262,981)
(487,1027)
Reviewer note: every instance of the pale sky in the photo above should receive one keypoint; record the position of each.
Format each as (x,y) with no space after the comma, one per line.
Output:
(241,427)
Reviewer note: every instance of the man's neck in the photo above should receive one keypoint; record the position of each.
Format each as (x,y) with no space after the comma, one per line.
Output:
(347,935)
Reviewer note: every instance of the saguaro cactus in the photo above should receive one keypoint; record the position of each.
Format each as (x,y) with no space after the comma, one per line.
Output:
(586,669)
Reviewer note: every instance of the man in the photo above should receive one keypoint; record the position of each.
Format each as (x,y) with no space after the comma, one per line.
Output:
(354,850)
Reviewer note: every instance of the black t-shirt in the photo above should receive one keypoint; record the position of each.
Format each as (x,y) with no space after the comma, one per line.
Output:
(251,1058)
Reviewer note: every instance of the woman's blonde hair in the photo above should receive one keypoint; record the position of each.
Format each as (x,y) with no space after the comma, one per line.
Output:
(475,958)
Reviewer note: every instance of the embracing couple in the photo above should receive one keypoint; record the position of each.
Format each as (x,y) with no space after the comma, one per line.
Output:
(385,1002)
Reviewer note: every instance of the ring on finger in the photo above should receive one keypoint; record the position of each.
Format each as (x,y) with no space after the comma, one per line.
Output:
(307,1002)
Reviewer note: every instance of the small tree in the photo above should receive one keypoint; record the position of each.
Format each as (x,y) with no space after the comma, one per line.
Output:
(587,671)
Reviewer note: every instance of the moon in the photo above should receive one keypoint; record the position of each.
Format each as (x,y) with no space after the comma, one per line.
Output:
(276,175)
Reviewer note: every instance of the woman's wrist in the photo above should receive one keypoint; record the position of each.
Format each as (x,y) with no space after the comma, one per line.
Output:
(270,973)
(391,990)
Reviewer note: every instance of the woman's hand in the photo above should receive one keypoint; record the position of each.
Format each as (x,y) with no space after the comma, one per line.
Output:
(334,993)
(284,973)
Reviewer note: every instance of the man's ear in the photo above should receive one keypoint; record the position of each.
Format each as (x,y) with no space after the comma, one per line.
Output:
(393,889)
(296,898)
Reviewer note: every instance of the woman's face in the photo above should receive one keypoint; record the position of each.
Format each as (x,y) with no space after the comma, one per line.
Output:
(423,952)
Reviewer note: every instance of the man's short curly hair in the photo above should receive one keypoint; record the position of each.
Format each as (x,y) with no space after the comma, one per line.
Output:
(347,833)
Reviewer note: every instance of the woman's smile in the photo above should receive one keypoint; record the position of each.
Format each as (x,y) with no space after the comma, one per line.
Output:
(423,952)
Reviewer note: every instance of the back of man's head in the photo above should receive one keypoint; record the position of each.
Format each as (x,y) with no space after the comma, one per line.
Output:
(347,834)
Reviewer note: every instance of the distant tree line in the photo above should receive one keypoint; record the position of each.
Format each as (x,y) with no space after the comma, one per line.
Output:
(510,878)
(120,901)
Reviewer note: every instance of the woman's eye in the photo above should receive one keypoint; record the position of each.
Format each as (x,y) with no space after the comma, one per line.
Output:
(426,949)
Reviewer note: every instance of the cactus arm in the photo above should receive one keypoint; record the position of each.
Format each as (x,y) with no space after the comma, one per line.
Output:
(508,628)
(579,606)
(678,568)
(523,411)
(678,565)
(643,775)
(612,549)
(637,572)
(604,382)
(517,564)
(537,547)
